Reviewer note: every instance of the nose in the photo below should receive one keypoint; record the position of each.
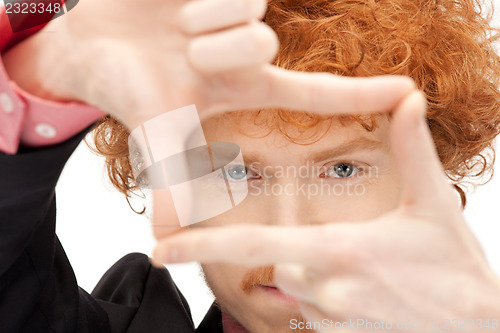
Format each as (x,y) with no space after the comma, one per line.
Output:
(289,206)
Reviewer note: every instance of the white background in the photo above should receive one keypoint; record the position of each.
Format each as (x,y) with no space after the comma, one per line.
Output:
(96,226)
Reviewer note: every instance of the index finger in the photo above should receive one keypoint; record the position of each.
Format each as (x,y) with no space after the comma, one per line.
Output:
(323,93)
(243,244)
(327,93)
(248,245)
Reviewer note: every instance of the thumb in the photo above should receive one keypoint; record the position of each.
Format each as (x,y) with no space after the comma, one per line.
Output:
(424,183)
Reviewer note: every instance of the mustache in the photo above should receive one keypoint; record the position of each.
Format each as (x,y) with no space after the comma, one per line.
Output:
(256,276)
(263,276)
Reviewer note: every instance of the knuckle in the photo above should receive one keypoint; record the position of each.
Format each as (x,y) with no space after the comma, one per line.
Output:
(320,93)
(360,103)
(264,40)
(257,9)
(249,9)
(334,296)
(348,257)
(253,252)
(251,246)
(349,249)
(185,13)
(245,6)
(194,52)
(185,19)
(202,243)
(281,275)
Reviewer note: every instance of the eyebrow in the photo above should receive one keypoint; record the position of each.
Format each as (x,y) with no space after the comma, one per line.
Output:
(356,144)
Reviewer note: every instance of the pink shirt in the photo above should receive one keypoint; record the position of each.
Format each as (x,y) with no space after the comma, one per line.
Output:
(31,121)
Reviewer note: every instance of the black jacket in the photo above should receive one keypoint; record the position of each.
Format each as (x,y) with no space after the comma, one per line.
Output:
(38,289)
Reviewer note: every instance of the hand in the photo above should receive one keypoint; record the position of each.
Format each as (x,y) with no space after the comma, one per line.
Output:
(139,59)
(416,264)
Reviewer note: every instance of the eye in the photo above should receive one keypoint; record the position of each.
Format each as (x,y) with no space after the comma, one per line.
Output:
(240,173)
(341,170)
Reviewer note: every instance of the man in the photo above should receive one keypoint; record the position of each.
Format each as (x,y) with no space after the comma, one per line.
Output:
(113,60)
(320,36)
(249,299)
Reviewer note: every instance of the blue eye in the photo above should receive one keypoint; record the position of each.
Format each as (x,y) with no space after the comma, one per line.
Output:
(342,170)
(237,173)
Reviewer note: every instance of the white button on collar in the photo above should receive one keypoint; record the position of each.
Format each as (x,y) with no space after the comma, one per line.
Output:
(46,130)
(6,102)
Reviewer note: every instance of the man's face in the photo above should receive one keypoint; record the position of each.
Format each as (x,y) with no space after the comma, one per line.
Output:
(348,175)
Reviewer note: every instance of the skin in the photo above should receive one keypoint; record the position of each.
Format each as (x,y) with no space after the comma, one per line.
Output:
(262,311)
(408,258)
(138,60)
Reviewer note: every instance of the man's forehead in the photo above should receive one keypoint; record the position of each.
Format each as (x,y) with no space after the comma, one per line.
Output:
(269,148)
(316,153)
(297,129)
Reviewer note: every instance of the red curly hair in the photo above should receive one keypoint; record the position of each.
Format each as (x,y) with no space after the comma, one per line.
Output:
(446,46)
